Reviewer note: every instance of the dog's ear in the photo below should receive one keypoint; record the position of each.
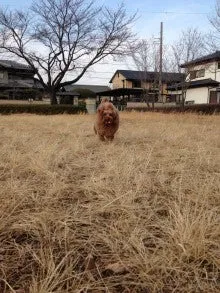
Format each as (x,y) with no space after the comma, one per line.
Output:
(104,100)
(100,110)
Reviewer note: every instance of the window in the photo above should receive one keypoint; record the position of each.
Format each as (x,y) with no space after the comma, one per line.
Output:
(200,73)
(218,65)
(13,76)
(1,75)
(197,73)
(192,74)
(136,83)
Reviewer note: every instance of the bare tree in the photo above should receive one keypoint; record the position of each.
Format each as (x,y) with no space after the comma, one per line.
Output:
(188,47)
(213,38)
(169,64)
(145,56)
(57,38)
(142,55)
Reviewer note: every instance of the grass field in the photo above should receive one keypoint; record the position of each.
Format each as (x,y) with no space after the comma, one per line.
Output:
(140,214)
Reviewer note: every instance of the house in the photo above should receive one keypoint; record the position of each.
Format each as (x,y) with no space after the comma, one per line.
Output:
(16,80)
(202,81)
(143,79)
(71,98)
(140,85)
(86,91)
(88,94)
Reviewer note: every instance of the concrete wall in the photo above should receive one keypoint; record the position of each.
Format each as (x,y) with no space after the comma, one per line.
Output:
(91,106)
(198,95)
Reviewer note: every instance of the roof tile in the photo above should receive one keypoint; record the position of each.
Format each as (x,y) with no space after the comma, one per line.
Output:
(210,57)
(150,75)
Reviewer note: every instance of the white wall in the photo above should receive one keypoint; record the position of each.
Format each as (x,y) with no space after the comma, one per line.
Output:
(211,71)
(198,95)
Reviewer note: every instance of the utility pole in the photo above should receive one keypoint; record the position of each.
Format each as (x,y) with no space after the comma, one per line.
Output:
(161,62)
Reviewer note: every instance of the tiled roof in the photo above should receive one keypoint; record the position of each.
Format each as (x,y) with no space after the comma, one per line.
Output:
(210,57)
(194,84)
(121,91)
(72,93)
(17,84)
(92,88)
(14,65)
(150,75)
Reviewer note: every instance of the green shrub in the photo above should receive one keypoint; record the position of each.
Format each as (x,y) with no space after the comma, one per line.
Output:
(42,109)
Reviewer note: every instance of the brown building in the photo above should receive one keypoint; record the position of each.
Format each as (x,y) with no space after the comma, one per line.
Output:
(147,80)
(132,85)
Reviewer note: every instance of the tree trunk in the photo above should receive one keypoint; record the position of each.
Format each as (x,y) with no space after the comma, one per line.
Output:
(146,99)
(183,98)
(153,101)
(53,98)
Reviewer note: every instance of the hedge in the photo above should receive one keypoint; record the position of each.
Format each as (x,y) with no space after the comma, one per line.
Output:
(199,108)
(41,109)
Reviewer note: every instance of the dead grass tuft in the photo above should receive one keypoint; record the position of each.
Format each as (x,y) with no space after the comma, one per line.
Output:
(140,214)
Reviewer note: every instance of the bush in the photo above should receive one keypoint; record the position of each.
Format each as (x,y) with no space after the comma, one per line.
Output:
(42,109)
(201,109)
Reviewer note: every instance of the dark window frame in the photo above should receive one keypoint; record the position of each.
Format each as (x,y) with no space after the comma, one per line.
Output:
(200,73)
(136,83)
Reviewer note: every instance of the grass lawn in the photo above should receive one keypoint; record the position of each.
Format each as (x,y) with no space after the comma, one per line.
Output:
(140,214)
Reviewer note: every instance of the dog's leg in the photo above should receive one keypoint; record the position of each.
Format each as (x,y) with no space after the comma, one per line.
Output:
(95,129)
(101,137)
(110,138)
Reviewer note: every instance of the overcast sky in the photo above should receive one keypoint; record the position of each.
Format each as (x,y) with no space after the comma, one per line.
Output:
(176,16)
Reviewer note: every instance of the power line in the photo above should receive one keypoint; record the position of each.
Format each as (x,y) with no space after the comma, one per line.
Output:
(174,12)
(97,77)
(105,72)
(154,12)
(105,63)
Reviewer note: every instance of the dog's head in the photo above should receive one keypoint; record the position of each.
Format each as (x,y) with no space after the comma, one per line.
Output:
(107,113)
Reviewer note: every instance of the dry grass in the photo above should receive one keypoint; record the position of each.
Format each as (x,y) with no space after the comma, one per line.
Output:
(140,214)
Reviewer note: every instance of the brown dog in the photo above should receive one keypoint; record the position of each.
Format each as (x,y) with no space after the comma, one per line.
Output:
(107,120)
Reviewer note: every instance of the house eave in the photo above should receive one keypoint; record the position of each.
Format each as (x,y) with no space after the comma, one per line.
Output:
(148,76)
(202,60)
(195,84)
(113,76)
(188,64)
(121,92)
